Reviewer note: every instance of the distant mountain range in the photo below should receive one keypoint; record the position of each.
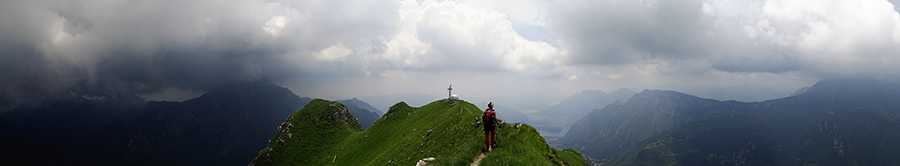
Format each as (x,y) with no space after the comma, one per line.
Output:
(835,122)
(560,116)
(507,114)
(363,105)
(223,127)
(363,111)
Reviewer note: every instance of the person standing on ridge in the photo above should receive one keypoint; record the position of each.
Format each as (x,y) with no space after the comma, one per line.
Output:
(490,122)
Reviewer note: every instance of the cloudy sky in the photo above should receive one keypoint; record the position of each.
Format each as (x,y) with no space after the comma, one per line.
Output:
(488,49)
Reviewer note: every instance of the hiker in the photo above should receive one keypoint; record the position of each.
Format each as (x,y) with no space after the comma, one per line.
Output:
(490,122)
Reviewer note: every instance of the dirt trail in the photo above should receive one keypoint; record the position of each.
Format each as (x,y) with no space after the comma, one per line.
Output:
(477,160)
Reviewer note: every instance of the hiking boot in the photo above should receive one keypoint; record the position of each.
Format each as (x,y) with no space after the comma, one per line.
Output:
(484,150)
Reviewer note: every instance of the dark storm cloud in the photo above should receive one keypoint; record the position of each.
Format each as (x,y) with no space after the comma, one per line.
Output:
(619,32)
(121,49)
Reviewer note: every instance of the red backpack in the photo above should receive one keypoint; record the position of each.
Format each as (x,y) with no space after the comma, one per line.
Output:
(488,116)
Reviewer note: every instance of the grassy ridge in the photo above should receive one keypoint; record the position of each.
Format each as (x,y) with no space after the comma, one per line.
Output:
(523,145)
(401,137)
(296,145)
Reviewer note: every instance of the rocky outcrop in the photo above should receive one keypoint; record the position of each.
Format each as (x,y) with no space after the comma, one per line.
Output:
(339,112)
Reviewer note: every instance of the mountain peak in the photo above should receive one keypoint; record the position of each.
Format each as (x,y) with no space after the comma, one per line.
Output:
(668,97)
(801,91)
(592,91)
(340,112)
(624,89)
(649,92)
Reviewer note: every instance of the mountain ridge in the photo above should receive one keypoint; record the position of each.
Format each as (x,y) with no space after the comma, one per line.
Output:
(384,102)
(714,129)
(558,117)
(222,126)
(442,129)
(605,132)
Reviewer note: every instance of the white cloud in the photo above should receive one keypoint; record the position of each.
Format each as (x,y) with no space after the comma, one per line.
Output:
(707,9)
(335,52)
(404,50)
(573,77)
(530,12)
(451,35)
(613,76)
(274,25)
(829,38)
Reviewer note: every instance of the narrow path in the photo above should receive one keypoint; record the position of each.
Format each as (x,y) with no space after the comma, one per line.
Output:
(477,160)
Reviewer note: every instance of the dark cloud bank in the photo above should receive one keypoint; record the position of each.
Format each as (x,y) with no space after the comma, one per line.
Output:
(118,50)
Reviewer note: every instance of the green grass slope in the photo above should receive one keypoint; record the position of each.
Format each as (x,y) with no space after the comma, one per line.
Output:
(522,145)
(401,137)
(309,136)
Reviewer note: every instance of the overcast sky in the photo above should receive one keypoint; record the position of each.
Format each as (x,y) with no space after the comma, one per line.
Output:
(488,49)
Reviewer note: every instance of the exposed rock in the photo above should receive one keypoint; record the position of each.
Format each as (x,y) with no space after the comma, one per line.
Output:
(339,112)
(428,133)
(422,162)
